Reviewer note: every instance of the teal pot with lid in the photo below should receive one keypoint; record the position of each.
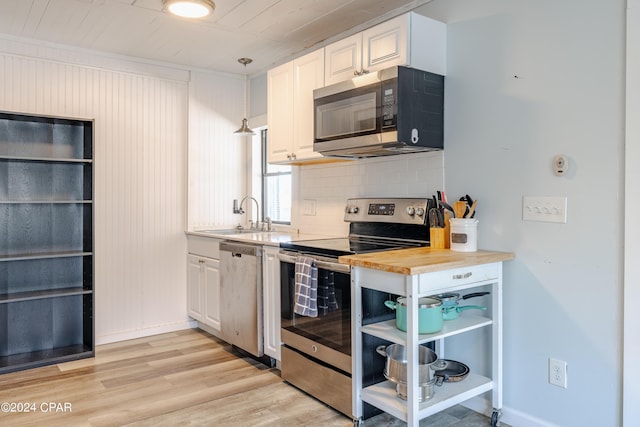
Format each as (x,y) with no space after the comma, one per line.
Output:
(451,313)
(450,307)
(430,317)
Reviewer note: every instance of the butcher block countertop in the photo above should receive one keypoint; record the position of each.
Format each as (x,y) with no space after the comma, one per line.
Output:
(422,260)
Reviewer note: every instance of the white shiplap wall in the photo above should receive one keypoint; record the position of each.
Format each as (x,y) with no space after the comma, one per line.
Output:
(140,152)
(217,157)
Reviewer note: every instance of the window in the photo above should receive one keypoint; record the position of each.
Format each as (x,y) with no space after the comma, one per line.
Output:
(276,188)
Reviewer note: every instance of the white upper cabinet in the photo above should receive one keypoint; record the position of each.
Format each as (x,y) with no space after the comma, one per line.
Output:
(343,59)
(410,39)
(290,108)
(280,113)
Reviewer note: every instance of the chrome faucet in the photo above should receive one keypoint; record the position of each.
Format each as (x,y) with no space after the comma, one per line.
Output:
(241,211)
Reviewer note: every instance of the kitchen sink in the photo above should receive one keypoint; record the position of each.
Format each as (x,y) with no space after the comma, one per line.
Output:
(228,231)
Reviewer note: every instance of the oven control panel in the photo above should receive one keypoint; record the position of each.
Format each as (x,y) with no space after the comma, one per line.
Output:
(400,211)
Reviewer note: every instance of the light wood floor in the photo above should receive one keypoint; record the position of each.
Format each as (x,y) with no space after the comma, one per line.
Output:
(181,378)
(175,379)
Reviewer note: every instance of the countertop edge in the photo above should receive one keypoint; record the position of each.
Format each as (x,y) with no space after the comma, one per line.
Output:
(423,260)
(272,238)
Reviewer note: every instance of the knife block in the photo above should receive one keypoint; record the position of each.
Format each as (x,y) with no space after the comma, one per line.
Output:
(440,237)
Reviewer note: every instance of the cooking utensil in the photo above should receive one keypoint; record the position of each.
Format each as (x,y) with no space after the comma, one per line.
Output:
(449,371)
(447,206)
(459,209)
(450,307)
(451,313)
(451,298)
(396,367)
(472,209)
(429,314)
(436,218)
(425,391)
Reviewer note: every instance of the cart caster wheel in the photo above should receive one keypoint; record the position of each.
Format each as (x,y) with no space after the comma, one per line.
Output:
(357,423)
(495,418)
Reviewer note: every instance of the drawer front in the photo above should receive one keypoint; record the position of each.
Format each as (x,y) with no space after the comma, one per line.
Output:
(204,246)
(457,277)
(329,386)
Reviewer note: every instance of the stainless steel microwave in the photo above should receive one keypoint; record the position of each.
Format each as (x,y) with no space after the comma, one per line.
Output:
(392,111)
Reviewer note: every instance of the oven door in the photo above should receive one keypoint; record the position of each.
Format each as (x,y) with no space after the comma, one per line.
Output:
(326,337)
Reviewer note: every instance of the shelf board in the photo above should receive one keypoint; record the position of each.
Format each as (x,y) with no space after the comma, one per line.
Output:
(45,202)
(33,359)
(44,255)
(383,396)
(34,295)
(387,330)
(45,159)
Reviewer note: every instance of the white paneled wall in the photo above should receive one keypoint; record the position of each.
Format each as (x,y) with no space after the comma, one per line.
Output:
(217,157)
(140,170)
(330,185)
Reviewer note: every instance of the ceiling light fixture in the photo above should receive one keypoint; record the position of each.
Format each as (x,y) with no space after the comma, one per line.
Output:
(189,8)
(245,129)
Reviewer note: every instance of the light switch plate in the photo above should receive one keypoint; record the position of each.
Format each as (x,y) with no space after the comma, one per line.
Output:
(309,207)
(544,209)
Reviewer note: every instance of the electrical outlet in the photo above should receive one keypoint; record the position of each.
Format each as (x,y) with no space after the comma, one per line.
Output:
(558,372)
(544,209)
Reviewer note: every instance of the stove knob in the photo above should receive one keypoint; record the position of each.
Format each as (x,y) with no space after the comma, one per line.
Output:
(420,212)
(411,211)
(354,210)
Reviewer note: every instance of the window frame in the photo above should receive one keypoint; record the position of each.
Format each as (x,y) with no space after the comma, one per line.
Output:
(265,174)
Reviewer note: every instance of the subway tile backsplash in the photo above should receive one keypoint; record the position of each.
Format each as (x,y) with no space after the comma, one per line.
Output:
(331,184)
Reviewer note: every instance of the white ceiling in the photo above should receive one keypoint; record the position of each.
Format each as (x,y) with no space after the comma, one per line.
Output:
(268,31)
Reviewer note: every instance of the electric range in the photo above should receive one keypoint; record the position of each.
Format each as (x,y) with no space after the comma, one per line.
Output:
(316,351)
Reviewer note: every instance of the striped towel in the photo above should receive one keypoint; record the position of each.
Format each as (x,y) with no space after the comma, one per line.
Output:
(306,284)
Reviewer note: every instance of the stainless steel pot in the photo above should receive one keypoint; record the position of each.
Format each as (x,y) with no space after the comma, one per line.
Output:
(396,368)
(425,391)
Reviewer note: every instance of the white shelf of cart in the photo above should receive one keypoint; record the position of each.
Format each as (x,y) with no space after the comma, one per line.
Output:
(383,396)
(387,330)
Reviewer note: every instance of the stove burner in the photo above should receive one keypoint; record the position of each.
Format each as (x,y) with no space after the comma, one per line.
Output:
(374,225)
(344,246)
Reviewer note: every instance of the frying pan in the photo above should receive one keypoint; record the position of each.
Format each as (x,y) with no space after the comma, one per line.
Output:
(449,371)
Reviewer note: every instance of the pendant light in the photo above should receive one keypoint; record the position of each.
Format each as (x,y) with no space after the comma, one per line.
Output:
(189,8)
(245,130)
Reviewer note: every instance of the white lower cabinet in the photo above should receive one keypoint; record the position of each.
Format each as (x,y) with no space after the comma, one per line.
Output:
(195,290)
(203,282)
(383,395)
(211,315)
(203,290)
(271,301)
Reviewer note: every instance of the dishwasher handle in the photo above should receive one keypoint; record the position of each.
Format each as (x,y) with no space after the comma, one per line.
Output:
(239,249)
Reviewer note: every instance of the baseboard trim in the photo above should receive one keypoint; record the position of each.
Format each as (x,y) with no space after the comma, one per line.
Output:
(509,415)
(147,332)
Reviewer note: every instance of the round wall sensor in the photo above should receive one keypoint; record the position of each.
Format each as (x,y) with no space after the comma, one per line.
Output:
(560,165)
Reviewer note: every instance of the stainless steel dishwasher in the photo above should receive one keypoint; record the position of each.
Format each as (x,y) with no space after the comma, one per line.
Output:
(241,296)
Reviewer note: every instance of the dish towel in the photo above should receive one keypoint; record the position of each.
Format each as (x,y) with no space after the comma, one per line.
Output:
(306,287)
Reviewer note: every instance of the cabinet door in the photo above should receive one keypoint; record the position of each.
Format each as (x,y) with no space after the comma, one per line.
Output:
(280,112)
(211,281)
(308,75)
(386,45)
(271,302)
(194,287)
(343,59)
